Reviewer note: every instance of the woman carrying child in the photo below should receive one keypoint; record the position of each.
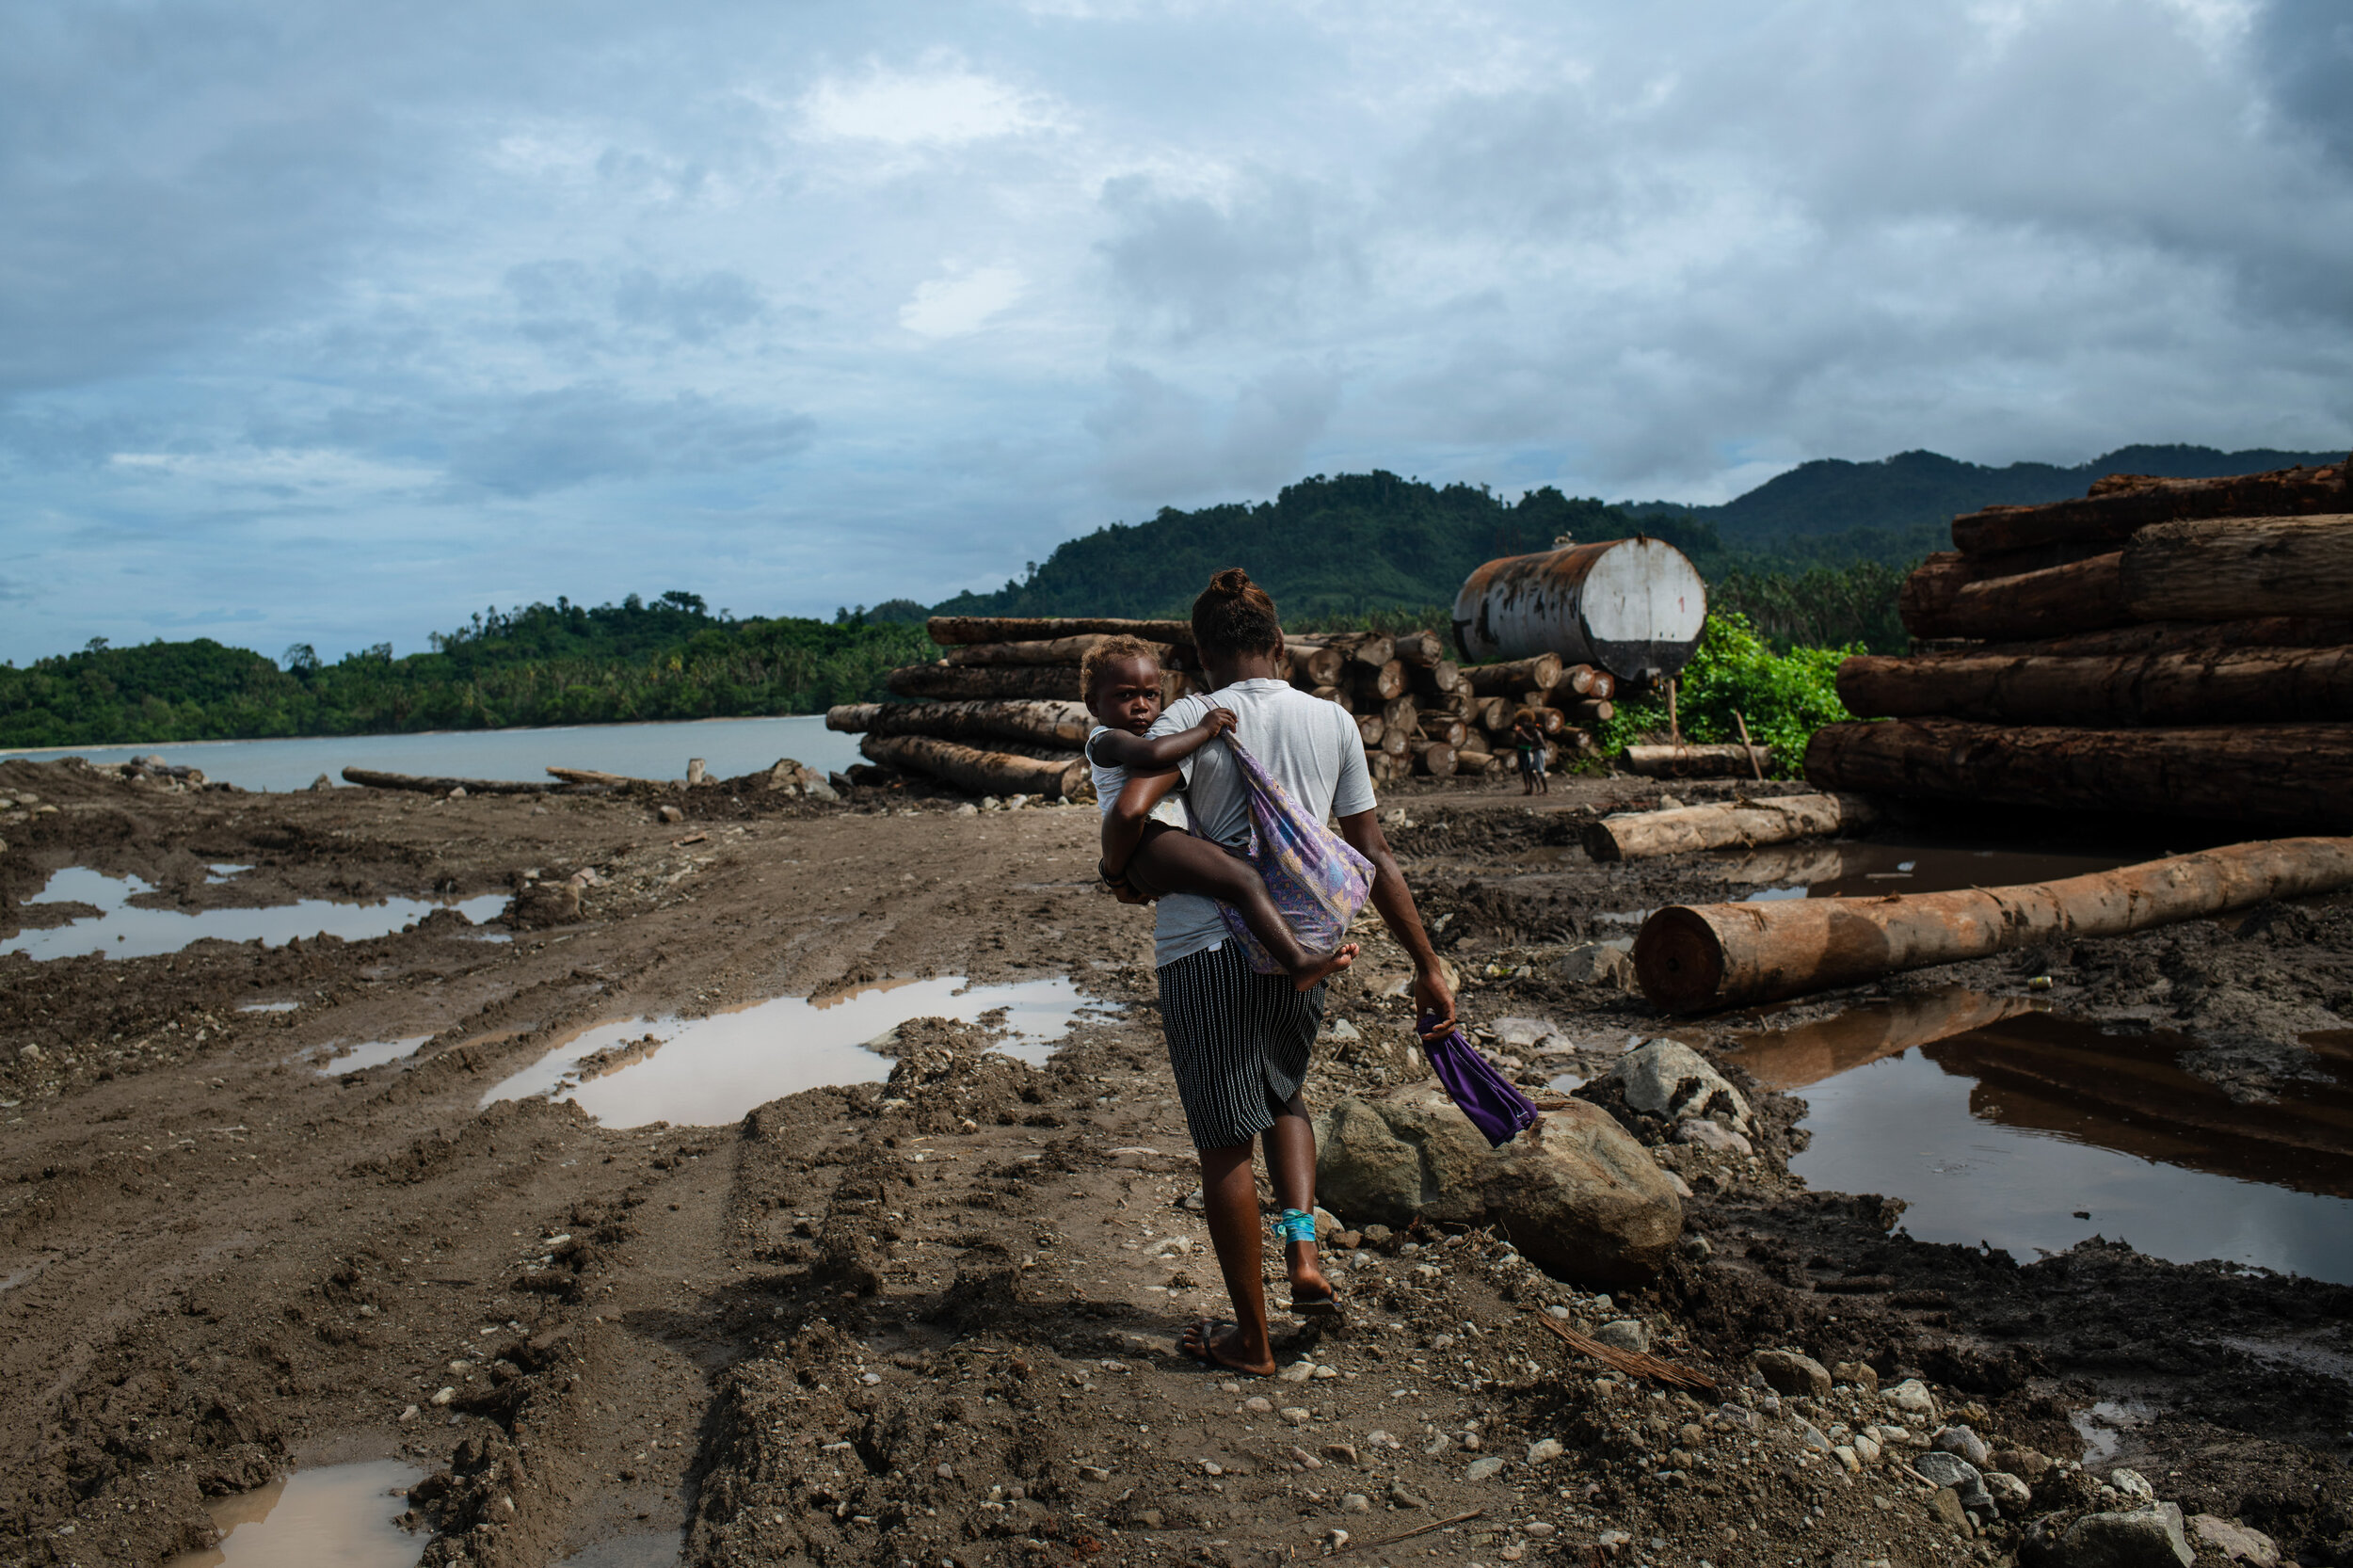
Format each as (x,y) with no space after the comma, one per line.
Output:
(1238,1040)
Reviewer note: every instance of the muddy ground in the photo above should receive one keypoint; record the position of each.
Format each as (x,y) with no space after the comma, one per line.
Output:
(930,1321)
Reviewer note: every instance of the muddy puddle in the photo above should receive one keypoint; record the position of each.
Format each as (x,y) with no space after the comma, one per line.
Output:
(2029,1131)
(338,1515)
(368,1053)
(709,1071)
(123,930)
(1870,868)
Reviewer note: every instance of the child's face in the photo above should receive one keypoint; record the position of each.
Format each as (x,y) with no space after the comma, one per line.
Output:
(1126,694)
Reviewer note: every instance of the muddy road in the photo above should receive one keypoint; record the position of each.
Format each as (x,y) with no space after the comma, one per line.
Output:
(263,1206)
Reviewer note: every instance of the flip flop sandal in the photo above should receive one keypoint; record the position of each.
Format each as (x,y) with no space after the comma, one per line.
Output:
(1326,1306)
(1210,1329)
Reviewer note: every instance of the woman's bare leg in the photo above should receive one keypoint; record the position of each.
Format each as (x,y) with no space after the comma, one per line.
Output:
(1290,1163)
(1230,1198)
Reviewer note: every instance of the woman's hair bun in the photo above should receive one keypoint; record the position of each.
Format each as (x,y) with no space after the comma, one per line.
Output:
(1235,616)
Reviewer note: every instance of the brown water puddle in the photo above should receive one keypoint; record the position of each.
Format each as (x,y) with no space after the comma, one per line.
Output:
(339,1514)
(1998,1122)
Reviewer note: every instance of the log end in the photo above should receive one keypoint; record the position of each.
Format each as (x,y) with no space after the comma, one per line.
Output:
(1678,960)
(1601,843)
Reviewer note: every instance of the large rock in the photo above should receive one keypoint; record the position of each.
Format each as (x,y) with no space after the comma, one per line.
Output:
(1575,1194)
(1793,1372)
(1670,1080)
(2142,1538)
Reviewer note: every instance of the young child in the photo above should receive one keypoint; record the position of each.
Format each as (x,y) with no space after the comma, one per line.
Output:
(1120,678)
(1528,741)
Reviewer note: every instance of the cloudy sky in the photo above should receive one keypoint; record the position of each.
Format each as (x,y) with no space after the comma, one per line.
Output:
(333,322)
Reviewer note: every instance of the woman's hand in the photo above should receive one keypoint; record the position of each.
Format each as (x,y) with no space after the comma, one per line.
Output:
(1432,996)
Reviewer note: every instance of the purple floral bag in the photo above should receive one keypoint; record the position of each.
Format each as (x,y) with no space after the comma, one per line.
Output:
(1497,1109)
(1317,881)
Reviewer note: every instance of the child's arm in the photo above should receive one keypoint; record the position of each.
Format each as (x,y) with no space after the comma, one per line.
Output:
(1117,748)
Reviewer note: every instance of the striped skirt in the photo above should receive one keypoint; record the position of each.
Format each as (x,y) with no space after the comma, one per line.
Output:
(1237,1042)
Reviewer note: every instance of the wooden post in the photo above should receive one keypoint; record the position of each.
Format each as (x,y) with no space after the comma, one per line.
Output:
(1754,765)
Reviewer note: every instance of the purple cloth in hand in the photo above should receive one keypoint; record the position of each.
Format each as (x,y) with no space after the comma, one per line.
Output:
(1486,1096)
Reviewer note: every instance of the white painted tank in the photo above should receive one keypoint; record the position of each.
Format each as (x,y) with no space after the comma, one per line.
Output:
(1633,607)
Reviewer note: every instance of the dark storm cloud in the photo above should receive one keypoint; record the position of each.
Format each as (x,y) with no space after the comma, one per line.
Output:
(363,313)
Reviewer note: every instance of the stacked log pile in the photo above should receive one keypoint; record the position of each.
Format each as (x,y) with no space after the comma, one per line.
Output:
(1001,713)
(2171,646)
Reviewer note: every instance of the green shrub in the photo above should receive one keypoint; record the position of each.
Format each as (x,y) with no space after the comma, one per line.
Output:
(1784,697)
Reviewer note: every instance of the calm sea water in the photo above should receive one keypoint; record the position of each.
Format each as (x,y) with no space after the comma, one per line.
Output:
(730,747)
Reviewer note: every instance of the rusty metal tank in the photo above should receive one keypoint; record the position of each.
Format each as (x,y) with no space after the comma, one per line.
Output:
(1633,607)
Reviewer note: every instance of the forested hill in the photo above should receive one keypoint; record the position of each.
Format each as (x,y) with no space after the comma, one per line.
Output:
(543,664)
(1323,546)
(1896,509)
(1359,541)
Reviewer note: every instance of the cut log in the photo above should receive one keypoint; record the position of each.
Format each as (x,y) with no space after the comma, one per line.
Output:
(585,776)
(2183,637)
(1422,649)
(1542,671)
(1443,678)
(1403,712)
(949,631)
(1327,664)
(1371,649)
(977,772)
(1435,758)
(1494,715)
(411,782)
(1548,721)
(2288,774)
(1055,650)
(965,682)
(2081,597)
(1443,727)
(1737,825)
(2235,685)
(1464,703)
(1299,656)
(1062,725)
(1370,728)
(1396,740)
(2231,568)
(2121,505)
(1471,760)
(1339,695)
(1575,680)
(1588,711)
(1604,686)
(1691,958)
(1378,682)
(1696,762)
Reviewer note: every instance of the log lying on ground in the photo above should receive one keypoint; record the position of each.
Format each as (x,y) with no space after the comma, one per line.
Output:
(2123,504)
(1370,728)
(1736,824)
(966,683)
(1471,762)
(1691,958)
(949,631)
(376,780)
(2183,637)
(1542,671)
(1435,758)
(1062,725)
(977,772)
(592,775)
(1589,711)
(1054,650)
(2228,569)
(1695,761)
(1443,727)
(2291,775)
(2081,597)
(2234,685)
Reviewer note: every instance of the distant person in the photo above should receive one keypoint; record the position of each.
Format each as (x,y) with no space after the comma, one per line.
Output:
(1238,1040)
(1528,740)
(1120,678)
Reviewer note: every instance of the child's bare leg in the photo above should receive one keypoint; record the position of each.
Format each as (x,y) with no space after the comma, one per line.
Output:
(1179,863)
